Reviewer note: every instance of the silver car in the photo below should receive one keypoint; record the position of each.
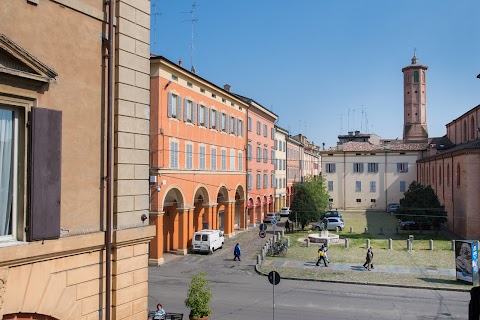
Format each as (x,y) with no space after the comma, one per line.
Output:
(332,223)
(270,216)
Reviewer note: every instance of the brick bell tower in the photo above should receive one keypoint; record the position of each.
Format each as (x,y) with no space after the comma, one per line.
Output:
(415,102)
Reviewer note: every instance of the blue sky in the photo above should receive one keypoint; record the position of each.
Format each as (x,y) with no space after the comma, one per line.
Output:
(319,65)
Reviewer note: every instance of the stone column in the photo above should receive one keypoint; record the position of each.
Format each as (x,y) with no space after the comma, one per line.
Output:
(156,245)
(182,230)
(243,215)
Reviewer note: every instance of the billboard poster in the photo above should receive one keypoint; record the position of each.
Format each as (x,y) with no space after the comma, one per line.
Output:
(466,261)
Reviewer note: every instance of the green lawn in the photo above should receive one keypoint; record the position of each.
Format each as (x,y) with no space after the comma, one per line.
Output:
(381,227)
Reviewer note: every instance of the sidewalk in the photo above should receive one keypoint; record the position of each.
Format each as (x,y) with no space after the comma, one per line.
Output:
(349,267)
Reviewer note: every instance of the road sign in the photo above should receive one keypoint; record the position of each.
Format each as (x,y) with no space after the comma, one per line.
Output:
(274,221)
(262,234)
(274,277)
(262,226)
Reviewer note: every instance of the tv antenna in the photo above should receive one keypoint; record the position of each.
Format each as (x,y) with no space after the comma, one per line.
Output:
(193,20)
(341,122)
(155,13)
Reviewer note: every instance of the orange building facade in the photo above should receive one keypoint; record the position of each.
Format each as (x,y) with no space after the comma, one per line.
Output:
(260,161)
(197,158)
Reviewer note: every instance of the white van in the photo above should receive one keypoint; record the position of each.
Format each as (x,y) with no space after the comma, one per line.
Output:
(207,240)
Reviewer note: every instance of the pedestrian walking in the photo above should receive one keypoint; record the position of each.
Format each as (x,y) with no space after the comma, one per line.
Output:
(237,252)
(321,255)
(369,259)
(287,226)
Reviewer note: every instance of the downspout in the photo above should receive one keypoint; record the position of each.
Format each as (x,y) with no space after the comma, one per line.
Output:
(108,235)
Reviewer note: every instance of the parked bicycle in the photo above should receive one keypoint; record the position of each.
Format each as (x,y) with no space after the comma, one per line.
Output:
(278,249)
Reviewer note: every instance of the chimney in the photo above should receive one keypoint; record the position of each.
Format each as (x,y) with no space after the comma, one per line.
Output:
(350,133)
(180,62)
(357,132)
(227,87)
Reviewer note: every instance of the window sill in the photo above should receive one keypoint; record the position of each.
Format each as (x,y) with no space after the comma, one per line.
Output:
(10,243)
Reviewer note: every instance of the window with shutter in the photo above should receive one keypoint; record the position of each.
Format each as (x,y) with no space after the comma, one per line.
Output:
(179,107)
(232,160)
(213,159)
(240,161)
(224,160)
(189,157)
(202,158)
(194,112)
(44,162)
(249,152)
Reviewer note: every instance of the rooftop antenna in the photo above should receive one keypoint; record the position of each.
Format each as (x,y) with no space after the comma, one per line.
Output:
(192,46)
(155,13)
(341,122)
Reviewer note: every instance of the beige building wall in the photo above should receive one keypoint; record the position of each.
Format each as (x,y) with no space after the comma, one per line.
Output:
(280,168)
(345,195)
(65,278)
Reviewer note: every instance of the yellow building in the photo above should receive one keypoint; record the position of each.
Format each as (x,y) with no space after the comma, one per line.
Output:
(74,140)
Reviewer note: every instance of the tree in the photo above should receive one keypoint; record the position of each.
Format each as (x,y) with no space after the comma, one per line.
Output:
(309,202)
(421,204)
(198,296)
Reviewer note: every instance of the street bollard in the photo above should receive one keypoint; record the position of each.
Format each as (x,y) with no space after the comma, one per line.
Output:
(409,245)
(351,229)
(390,244)
(381,230)
(368,243)
(453,245)
(274,238)
(288,241)
(308,243)
(347,243)
(283,233)
(366,230)
(431,244)
(259,259)
(410,237)
(279,235)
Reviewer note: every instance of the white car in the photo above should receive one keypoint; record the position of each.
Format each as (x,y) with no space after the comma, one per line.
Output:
(285,212)
(270,216)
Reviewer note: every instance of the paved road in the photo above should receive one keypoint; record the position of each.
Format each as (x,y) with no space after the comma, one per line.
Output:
(240,293)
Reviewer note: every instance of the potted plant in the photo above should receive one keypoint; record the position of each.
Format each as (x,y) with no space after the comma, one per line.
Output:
(198,297)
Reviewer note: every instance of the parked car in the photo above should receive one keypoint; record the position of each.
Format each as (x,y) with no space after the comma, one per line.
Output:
(331,214)
(270,216)
(332,223)
(393,207)
(412,225)
(285,212)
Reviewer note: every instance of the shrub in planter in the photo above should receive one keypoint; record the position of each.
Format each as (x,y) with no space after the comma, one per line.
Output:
(198,297)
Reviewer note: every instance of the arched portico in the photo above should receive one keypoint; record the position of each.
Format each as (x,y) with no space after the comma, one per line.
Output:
(258,211)
(239,219)
(173,205)
(223,211)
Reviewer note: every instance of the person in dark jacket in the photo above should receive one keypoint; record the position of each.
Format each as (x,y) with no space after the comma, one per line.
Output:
(322,252)
(237,252)
(287,226)
(369,259)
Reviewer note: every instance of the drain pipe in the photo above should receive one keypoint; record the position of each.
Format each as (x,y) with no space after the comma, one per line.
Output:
(108,235)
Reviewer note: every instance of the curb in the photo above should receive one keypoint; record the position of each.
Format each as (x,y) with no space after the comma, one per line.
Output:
(366,283)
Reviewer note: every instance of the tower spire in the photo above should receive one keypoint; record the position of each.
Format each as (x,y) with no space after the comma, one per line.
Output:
(414,59)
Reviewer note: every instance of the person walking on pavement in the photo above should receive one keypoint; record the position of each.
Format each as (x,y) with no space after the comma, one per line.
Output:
(369,259)
(321,255)
(287,226)
(236,252)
